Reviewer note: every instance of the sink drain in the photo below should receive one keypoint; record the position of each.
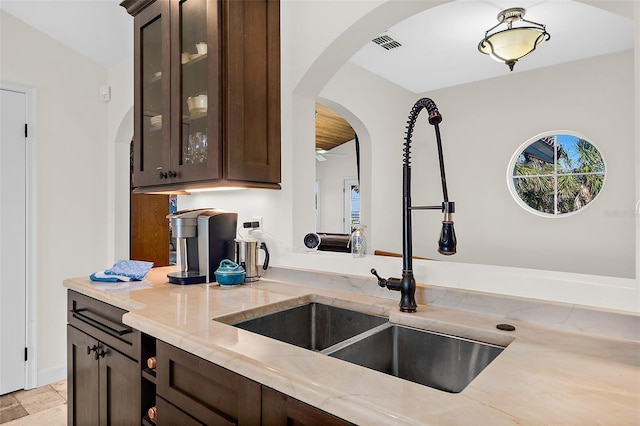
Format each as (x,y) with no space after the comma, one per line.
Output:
(505,327)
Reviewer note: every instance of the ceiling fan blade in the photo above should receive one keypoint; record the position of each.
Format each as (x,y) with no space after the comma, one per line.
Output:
(324,153)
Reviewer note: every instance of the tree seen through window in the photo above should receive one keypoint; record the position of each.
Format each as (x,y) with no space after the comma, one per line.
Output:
(558,174)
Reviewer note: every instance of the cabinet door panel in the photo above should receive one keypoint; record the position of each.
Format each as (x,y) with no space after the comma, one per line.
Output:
(119,389)
(195,91)
(252,81)
(211,394)
(82,379)
(151,97)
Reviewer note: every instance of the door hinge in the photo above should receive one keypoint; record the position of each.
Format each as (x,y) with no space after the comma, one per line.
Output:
(26,133)
(26,354)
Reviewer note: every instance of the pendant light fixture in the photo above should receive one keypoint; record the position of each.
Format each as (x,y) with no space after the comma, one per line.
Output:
(512,43)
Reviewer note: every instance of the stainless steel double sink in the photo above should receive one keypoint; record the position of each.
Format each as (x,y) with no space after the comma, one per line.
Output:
(440,361)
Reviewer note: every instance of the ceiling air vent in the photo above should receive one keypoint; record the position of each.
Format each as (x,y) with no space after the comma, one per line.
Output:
(387,41)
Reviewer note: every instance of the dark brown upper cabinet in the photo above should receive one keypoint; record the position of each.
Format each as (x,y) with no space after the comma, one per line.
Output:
(207,94)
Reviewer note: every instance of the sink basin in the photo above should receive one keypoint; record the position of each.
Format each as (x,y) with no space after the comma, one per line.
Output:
(440,361)
(436,360)
(314,325)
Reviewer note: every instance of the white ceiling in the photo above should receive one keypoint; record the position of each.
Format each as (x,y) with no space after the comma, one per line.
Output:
(439,45)
(102,30)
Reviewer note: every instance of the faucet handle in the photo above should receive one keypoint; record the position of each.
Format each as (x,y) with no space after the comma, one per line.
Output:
(381,281)
(390,283)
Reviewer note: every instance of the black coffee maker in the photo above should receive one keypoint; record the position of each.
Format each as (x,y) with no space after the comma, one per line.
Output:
(204,237)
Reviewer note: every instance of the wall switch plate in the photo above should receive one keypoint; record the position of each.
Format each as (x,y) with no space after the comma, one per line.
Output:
(105,93)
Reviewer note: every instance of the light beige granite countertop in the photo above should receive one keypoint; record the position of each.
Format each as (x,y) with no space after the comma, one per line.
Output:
(544,375)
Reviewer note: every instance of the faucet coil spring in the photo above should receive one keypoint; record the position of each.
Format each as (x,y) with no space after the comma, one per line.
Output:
(434,118)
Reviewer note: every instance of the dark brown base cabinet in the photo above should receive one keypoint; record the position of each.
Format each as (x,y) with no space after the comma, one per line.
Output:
(213,395)
(109,382)
(103,391)
(103,383)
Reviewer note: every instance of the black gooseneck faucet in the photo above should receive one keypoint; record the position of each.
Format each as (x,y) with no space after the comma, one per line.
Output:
(447,242)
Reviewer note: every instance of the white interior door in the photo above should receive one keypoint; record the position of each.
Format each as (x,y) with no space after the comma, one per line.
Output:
(351,204)
(12,240)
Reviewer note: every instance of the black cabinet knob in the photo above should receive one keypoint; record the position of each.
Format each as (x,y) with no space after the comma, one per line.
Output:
(172,174)
(100,353)
(163,175)
(91,349)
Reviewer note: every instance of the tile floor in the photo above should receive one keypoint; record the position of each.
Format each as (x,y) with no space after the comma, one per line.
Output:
(35,407)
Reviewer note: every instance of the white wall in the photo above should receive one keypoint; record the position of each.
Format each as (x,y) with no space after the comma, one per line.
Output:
(637,150)
(585,289)
(480,134)
(71,174)
(310,57)
(120,133)
(377,110)
(481,130)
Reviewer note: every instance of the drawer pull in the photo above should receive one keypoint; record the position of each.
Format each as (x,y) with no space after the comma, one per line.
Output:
(116,330)
(152,362)
(153,413)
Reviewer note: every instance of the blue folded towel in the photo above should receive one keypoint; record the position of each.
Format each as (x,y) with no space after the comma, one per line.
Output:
(101,276)
(123,270)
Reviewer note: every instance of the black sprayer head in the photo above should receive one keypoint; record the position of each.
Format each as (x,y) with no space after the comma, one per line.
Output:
(447,243)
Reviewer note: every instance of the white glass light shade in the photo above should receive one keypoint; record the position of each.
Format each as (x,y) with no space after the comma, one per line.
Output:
(512,44)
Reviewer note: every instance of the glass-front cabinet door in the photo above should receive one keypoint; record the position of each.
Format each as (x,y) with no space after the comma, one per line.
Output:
(185,71)
(195,131)
(152,91)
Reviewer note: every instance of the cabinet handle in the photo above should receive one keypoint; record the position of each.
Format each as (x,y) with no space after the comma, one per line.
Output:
(100,353)
(152,362)
(91,349)
(153,413)
(172,174)
(163,175)
(78,313)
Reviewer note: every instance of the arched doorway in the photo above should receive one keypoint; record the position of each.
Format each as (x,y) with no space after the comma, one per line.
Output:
(141,228)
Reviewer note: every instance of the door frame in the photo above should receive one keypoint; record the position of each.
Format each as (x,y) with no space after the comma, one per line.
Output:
(31,370)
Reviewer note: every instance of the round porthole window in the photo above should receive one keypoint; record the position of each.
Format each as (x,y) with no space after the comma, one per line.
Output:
(556,173)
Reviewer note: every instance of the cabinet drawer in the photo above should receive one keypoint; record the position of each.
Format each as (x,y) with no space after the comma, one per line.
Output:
(169,414)
(210,393)
(281,409)
(104,322)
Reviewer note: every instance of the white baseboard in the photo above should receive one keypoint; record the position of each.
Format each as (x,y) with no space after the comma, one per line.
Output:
(51,375)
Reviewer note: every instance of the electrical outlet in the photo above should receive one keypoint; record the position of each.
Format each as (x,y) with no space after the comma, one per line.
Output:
(258,220)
